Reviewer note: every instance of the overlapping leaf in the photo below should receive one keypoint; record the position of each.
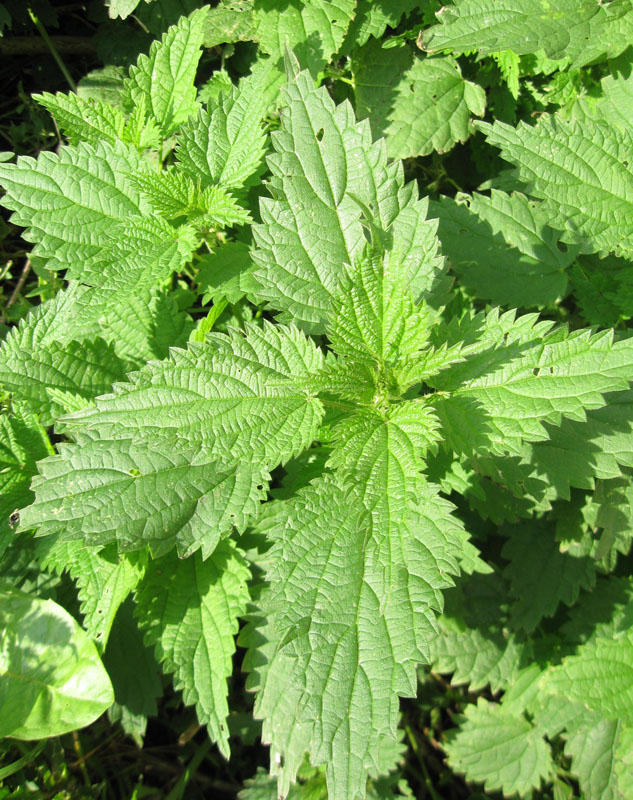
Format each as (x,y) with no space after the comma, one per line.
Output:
(580,30)
(325,163)
(418,104)
(189,610)
(580,171)
(181,454)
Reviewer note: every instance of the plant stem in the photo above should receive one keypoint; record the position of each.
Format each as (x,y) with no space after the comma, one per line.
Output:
(192,767)
(53,50)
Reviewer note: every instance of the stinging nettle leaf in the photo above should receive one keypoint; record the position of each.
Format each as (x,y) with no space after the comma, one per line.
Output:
(418,104)
(356,615)
(325,163)
(581,173)
(580,30)
(164,79)
(499,749)
(600,676)
(189,611)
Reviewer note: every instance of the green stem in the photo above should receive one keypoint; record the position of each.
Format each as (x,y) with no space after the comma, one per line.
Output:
(53,50)
(26,759)
(192,767)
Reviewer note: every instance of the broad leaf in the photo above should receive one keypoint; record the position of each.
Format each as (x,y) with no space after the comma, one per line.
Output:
(313,30)
(502,248)
(357,640)
(600,676)
(580,30)
(51,678)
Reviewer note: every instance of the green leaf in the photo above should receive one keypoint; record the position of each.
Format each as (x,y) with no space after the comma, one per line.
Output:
(580,171)
(600,676)
(313,30)
(52,680)
(135,689)
(122,8)
(418,104)
(605,612)
(581,30)
(22,442)
(58,348)
(103,579)
(374,319)
(502,248)
(614,104)
(71,201)
(219,275)
(230,21)
(502,395)
(142,494)
(231,397)
(592,750)
(90,121)
(475,657)
(164,79)
(372,19)
(624,762)
(541,576)
(578,452)
(499,749)
(356,614)
(225,144)
(324,165)
(189,610)
(183,453)
(173,194)
(275,677)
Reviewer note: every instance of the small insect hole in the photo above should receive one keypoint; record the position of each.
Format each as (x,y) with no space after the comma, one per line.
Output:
(319,135)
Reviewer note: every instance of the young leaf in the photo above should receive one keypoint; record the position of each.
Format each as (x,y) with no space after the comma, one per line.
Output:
(372,19)
(164,79)
(189,610)
(225,144)
(419,104)
(325,163)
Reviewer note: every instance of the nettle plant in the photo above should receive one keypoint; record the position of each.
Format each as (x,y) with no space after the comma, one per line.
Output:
(293,471)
